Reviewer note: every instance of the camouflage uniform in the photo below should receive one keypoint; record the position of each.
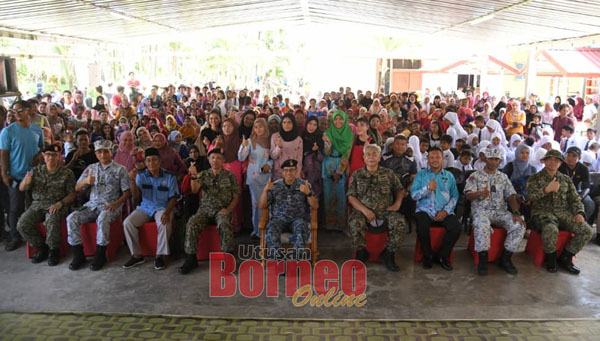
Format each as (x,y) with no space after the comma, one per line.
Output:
(46,190)
(377,192)
(553,211)
(217,193)
(493,210)
(111,181)
(289,208)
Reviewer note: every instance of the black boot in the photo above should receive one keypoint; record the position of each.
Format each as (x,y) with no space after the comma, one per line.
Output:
(551,262)
(566,261)
(362,255)
(191,262)
(427,262)
(482,269)
(445,263)
(78,257)
(54,257)
(99,258)
(40,255)
(389,260)
(506,263)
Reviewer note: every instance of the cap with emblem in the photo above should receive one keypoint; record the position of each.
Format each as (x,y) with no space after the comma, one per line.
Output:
(555,154)
(491,153)
(215,151)
(103,144)
(289,163)
(55,148)
(575,151)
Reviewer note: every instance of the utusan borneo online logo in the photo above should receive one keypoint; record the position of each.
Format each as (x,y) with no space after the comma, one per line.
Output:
(323,285)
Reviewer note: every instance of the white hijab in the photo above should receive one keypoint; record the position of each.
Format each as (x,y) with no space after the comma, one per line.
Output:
(497,128)
(455,129)
(415,145)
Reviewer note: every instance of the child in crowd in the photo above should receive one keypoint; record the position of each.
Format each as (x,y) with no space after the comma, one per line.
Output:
(464,161)
(445,144)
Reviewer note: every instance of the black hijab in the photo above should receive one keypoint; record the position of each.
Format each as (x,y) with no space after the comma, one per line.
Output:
(557,105)
(99,106)
(243,130)
(309,139)
(288,136)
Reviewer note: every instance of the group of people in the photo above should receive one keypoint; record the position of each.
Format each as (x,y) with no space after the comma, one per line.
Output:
(365,163)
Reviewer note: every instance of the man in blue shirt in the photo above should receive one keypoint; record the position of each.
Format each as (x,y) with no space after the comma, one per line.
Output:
(159,192)
(434,189)
(20,142)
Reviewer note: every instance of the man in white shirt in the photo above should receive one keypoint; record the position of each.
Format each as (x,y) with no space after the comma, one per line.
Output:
(589,111)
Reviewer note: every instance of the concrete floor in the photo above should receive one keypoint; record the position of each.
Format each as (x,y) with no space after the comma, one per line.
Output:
(412,293)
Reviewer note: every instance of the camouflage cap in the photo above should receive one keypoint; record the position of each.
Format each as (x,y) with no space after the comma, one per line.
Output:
(103,144)
(555,154)
(491,153)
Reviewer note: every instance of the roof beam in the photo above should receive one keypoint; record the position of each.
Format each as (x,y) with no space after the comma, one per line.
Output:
(17,33)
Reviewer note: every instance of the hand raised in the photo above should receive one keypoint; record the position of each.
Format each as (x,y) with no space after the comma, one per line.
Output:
(432,185)
(269,185)
(244,141)
(305,188)
(192,170)
(553,186)
(315,147)
(91,179)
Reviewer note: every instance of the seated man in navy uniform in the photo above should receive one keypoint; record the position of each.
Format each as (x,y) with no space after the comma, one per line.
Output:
(289,200)
(159,193)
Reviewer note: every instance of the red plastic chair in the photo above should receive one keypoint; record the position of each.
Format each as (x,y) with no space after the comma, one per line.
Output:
(209,241)
(535,246)
(148,237)
(64,244)
(88,235)
(436,234)
(375,244)
(496,245)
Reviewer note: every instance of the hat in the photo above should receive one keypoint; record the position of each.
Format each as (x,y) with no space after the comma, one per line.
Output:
(103,144)
(575,151)
(151,151)
(289,163)
(215,151)
(492,153)
(81,131)
(555,154)
(55,148)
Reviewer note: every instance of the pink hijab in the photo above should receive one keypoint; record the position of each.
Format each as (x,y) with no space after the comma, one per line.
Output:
(123,155)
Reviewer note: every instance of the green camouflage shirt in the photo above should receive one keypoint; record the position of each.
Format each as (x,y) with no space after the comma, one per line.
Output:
(49,188)
(565,200)
(376,191)
(217,190)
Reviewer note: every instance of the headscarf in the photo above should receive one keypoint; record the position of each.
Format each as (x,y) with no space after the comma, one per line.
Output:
(415,145)
(274,117)
(470,139)
(172,136)
(495,125)
(99,106)
(557,105)
(578,108)
(341,138)
(309,139)
(288,136)
(243,130)
(521,168)
(141,143)
(173,125)
(264,140)
(482,146)
(513,138)
(460,132)
(374,132)
(123,155)
(537,159)
(231,142)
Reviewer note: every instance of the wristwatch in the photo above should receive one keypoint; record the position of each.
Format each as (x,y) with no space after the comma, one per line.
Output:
(311,194)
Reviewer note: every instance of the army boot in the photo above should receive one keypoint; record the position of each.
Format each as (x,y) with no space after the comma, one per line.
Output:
(54,257)
(40,255)
(566,261)
(551,262)
(389,260)
(190,263)
(78,257)
(506,263)
(482,269)
(99,258)
(362,255)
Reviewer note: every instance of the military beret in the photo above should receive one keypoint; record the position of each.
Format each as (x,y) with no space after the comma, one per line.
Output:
(575,151)
(492,153)
(55,148)
(289,163)
(103,144)
(215,151)
(555,154)
(151,151)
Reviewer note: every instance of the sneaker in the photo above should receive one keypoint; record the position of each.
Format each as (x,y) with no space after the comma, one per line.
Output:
(159,263)
(133,262)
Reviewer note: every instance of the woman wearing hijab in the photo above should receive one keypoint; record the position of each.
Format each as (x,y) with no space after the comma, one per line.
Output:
(127,153)
(256,150)
(515,141)
(191,200)
(169,160)
(144,139)
(473,141)
(246,123)
(415,144)
(548,114)
(375,107)
(487,111)
(373,132)
(455,129)
(338,145)
(171,124)
(229,141)
(491,127)
(285,145)
(274,121)
(518,171)
(385,123)
(176,142)
(578,108)
(100,105)
(515,120)
(557,103)
(312,150)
